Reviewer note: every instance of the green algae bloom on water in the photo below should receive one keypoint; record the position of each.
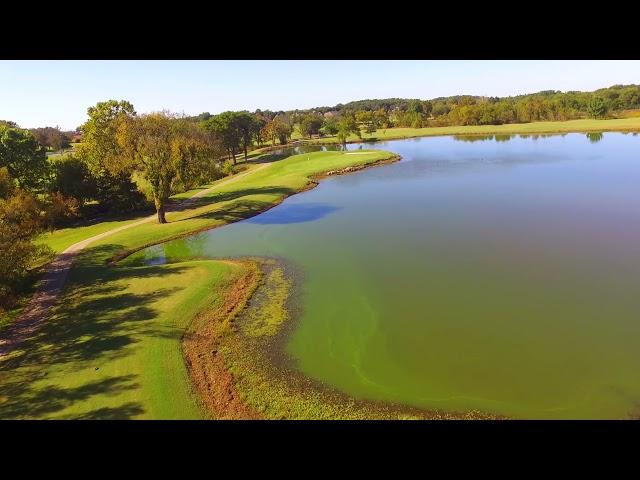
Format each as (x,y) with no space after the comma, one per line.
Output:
(497,275)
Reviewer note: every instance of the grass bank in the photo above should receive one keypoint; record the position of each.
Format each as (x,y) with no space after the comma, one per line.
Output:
(615,125)
(112,348)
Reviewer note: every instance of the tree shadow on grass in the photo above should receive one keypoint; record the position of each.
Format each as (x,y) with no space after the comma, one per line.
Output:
(238,211)
(267,158)
(25,400)
(96,320)
(219,197)
(125,411)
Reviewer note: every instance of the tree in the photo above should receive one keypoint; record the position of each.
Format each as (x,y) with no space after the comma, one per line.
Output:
(415,106)
(247,126)
(367,119)
(597,107)
(330,126)
(20,222)
(427,107)
(504,112)
(50,137)
(226,126)
(439,109)
(72,178)
(99,145)
(163,149)
(260,120)
(277,128)
(196,153)
(8,124)
(100,150)
(382,118)
(310,125)
(23,157)
(346,126)
(268,132)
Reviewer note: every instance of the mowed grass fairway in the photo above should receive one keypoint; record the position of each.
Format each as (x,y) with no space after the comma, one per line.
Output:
(112,348)
(615,125)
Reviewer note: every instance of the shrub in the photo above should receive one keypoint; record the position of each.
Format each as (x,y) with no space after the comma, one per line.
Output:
(61,210)
(72,178)
(20,221)
(6,183)
(119,194)
(597,108)
(227,168)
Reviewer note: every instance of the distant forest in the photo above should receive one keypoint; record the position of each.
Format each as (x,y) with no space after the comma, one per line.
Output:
(549,105)
(475,110)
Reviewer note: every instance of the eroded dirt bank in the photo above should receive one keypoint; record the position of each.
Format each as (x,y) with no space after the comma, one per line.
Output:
(234,354)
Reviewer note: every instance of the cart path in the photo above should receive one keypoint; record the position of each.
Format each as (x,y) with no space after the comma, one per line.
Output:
(37,311)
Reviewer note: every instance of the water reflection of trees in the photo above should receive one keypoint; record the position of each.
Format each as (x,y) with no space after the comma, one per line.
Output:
(536,136)
(503,138)
(595,137)
(483,138)
(472,138)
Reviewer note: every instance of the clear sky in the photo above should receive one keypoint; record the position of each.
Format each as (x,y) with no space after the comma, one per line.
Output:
(50,93)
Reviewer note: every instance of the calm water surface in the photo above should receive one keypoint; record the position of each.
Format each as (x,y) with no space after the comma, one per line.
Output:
(498,274)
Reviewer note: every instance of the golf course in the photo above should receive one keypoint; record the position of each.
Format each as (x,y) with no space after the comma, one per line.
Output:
(455,258)
(111,348)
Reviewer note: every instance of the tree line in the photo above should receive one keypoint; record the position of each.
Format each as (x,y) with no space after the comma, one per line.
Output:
(474,110)
(367,116)
(126,162)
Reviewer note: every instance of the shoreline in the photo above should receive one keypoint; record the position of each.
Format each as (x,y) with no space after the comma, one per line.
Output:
(477,130)
(312,183)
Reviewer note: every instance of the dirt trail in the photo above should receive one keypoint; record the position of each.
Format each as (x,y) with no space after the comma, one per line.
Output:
(36,312)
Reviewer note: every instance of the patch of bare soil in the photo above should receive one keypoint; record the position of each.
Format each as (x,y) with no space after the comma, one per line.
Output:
(211,380)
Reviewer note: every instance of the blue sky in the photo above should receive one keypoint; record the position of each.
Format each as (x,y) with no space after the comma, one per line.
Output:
(49,93)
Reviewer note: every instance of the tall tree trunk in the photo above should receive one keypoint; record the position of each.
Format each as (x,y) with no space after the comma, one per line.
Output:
(160,209)
(245,152)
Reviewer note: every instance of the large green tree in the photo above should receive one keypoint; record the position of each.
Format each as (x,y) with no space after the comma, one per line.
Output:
(99,149)
(310,125)
(99,145)
(163,149)
(346,126)
(277,129)
(225,126)
(247,126)
(597,107)
(23,157)
(330,126)
(71,177)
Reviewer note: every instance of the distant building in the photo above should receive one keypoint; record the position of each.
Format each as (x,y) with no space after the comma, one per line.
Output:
(331,114)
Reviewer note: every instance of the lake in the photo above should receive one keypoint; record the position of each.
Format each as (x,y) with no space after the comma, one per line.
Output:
(492,273)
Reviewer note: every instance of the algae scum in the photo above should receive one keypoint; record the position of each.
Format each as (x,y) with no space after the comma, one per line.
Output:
(497,274)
